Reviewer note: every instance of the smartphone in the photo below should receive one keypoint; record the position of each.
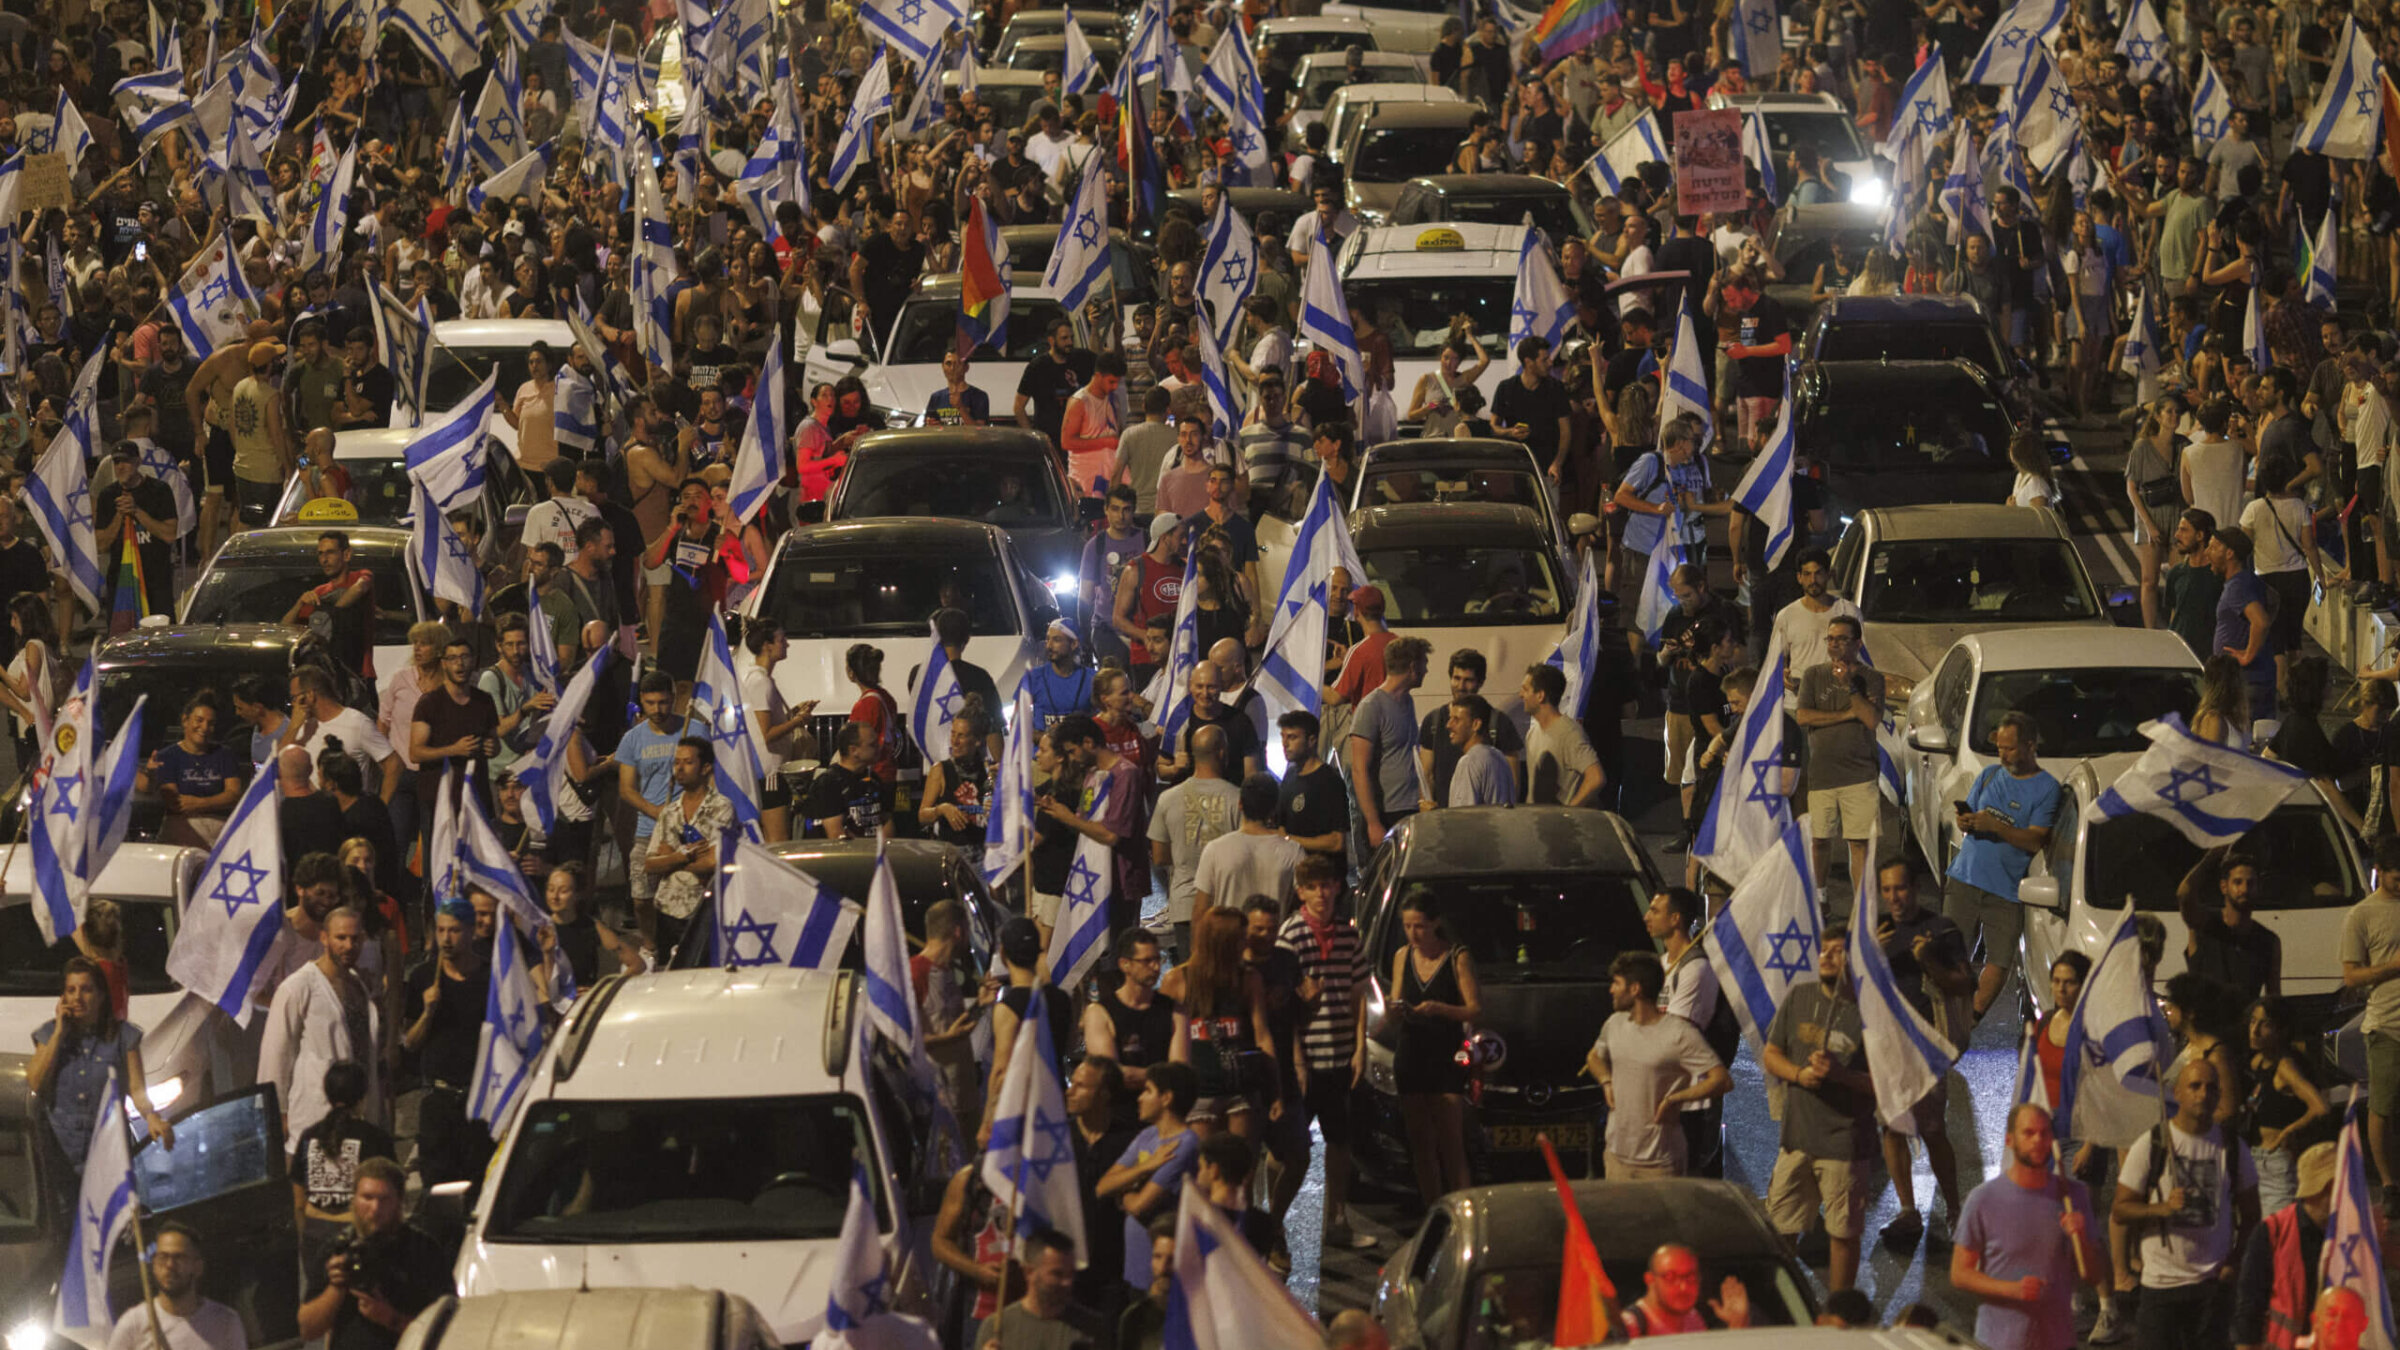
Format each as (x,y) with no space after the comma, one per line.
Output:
(1960,807)
(141,252)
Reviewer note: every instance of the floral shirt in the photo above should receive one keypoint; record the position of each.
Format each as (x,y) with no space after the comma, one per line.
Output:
(680,893)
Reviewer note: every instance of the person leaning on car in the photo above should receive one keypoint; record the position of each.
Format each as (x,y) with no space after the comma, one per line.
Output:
(385,1274)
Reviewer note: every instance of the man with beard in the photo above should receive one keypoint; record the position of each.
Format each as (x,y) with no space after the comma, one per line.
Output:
(2017,1241)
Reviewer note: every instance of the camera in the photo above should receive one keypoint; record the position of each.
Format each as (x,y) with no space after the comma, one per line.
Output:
(363,1256)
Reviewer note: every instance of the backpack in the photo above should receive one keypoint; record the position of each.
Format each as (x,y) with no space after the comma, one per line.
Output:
(2160,1146)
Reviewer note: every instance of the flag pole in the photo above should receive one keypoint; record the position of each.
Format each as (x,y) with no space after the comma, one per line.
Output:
(141,1246)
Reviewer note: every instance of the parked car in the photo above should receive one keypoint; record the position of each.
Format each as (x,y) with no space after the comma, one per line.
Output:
(1281,42)
(258,575)
(1390,144)
(1817,122)
(1032,23)
(1492,199)
(1482,1268)
(1412,280)
(172,663)
(375,459)
(1902,433)
(33,1228)
(1130,265)
(1457,469)
(700,1128)
(1010,94)
(1468,574)
(592,1319)
(1804,237)
(2088,690)
(466,351)
(926,872)
(966,473)
(901,364)
(1040,52)
(1400,25)
(1320,75)
(1542,898)
(1353,103)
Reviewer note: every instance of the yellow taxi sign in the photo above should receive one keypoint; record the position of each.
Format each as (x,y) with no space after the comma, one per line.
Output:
(1440,240)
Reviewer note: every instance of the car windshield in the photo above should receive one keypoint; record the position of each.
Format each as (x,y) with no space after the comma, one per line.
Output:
(457,370)
(1452,483)
(32,968)
(961,487)
(1940,426)
(1007,102)
(1520,1306)
(1415,312)
(1831,134)
(2303,861)
(1053,56)
(1553,213)
(263,590)
(168,684)
(1976,581)
(21,1200)
(725,1170)
(230,1145)
(1286,49)
(1941,341)
(820,594)
(927,327)
(1321,83)
(1390,154)
(2083,711)
(1533,926)
(379,489)
(1466,586)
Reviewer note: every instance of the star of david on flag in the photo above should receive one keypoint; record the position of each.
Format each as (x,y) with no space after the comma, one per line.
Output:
(1082,931)
(1765,939)
(770,913)
(2211,794)
(1030,1163)
(227,932)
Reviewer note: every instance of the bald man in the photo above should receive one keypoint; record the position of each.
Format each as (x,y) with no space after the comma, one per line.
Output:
(2190,1192)
(1670,1301)
(308,816)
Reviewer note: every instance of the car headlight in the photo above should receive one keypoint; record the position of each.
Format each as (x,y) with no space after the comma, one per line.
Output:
(897,417)
(1062,585)
(28,1335)
(1868,190)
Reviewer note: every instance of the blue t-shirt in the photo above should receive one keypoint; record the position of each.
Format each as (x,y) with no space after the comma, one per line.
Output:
(1183,1154)
(1055,695)
(1995,865)
(2233,625)
(2015,1232)
(939,408)
(1649,478)
(200,775)
(651,752)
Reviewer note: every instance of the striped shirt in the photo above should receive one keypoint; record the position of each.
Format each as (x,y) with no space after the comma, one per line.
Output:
(1329,1032)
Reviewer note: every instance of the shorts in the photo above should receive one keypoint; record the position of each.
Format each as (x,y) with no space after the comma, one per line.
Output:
(1327,1101)
(638,880)
(1757,415)
(657,576)
(1854,810)
(1805,1188)
(776,794)
(2000,918)
(217,460)
(2370,490)
(2383,1074)
(1218,1110)
(255,496)
(1044,909)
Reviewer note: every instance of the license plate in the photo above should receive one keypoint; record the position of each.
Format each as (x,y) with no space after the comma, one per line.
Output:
(1522,1138)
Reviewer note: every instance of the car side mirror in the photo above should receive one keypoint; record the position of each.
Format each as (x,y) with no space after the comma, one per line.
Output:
(2041,893)
(808,513)
(1582,523)
(1933,740)
(514,516)
(1090,511)
(444,1209)
(846,349)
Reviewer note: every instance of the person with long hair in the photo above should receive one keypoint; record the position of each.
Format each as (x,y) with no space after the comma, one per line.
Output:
(875,708)
(2202,1013)
(2286,1111)
(74,1055)
(958,791)
(1227,1041)
(2154,488)
(1434,995)
(2223,712)
(29,687)
(568,896)
(2037,482)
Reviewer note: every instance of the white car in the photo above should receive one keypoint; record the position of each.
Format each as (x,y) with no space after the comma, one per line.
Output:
(1282,42)
(1820,123)
(901,361)
(1322,75)
(1468,574)
(1411,280)
(698,1128)
(1458,469)
(1010,94)
(2089,690)
(1352,104)
(1400,25)
(467,350)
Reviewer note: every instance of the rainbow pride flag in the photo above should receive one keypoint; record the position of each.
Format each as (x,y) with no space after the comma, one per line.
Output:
(983,284)
(132,599)
(1569,26)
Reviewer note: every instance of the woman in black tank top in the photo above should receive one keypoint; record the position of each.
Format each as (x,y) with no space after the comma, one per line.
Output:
(958,791)
(1434,996)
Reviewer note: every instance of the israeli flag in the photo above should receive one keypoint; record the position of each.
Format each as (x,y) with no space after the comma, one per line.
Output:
(1082,68)
(777,170)
(1030,1163)
(212,302)
(934,701)
(2212,794)
(1325,319)
(541,657)
(524,20)
(873,101)
(1230,80)
(2143,42)
(1750,807)
(913,26)
(543,770)
(2254,330)
(652,272)
(1658,592)
(2117,1051)
(1924,111)
(765,451)
(2047,124)
(59,497)
(1170,691)
(1009,823)
(1577,654)
(1766,489)
(446,457)
(2002,59)
(718,705)
(103,1208)
(2143,339)
(1756,36)
(1542,307)
(67,134)
(858,1306)
(153,105)
(2212,110)
(446,38)
(437,557)
(1962,195)
(160,463)
(1079,260)
(1622,158)
(495,139)
(1906,1057)
(1223,413)
(2349,110)
(236,910)
(770,913)
(2323,270)
(2029,1090)
(322,242)
(891,995)
(248,190)
(1765,939)
(63,804)
(455,159)
(1221,1295)
(523,178)
(2353,1257)
(587,70)
(510,1040)
(1687,386)
(1082,931)
(1759,153)
(691,143)
(1290,670)
(404,343)
(1228,271)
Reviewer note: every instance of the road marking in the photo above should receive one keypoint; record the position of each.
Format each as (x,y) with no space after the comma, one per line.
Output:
(2111,530)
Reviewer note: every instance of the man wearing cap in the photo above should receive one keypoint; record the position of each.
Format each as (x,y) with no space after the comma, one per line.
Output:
(133,501)
(262,456)
(2277,1280)
(1363,670)
(1148,588)
(1062,684)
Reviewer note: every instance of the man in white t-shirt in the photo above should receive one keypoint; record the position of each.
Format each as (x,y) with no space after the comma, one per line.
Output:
(1253,860)
(188,1320)
(554,519)
(2192,1210)
(2213,465)
(1802,624)
(1648,1061)
(318,715)
(1329,219)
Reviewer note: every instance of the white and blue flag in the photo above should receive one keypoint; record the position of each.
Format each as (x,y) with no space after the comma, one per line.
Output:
(2212,794)
(1626,152)
(1082,931)
(494,138)
(321,243)
(1079,260)
(1758,150)
(1224,414)
(717,704)
(2029,1089)
(1755,33)
(1750,808)
(212,302)
(1290,669)
(2111,1070)
(1764,940)
(1906,1057)
(765,452)
(1657,599)
(2349,109)
(541,658)
(2323,268)
(1029,1165)
(2143,42)
(543,769)
(1766,488)
(447,36)
(2144,339)
(524,20)
(437,557)
(1009,820)
(521,179)
(446,456)
(58,494)
(770,913)
(858,1303)
(70,801)
(2212,110)
(777,170)
(1962,196)
(1924,109)
(890,994)
(934,700)
(913,26)
(2020,30)
(1228,271)
(1577,654)
(2045,121)
(160,463)
(1221,1296)
(1542,306)
(651,272)
(1687,388)
(66,133)
(1325,319)
(1230,80)
(1170,691)
(510,1039)
(2353,1257)
(236,910)
(874,99)
(404,343)
(153,105)
(1082,72)
(104,1205)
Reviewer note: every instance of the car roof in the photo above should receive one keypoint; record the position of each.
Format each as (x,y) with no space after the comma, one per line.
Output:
(2079,646)
(847,865)
(1900,309)
(1873,376)
(374,443)
(1315,23)
(906,534)
(1521,1223)
(183,642)
(133,875)
(755,1031)
(1472,840)
(1490,185)
(953,441)
(1772,101)
(371,540)
(945,285)
(1402,524)
(996,75)
(1425,114)
(1313,62)
(1057,42)
(1462,450)
(1248,200)
(1964,520)
(577,1319)
(502,332)
(1480,249)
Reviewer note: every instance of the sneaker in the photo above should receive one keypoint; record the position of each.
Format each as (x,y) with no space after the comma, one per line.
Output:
(1341,1237)
(1904,1231)
(2110,1329)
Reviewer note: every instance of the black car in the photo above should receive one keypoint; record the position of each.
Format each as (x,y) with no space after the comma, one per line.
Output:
(171,664)
(1911,328)
(1482,1268)
(257,576)
(1542,898)
(1902,433)
(1492,199)
(965,473)
(925,872)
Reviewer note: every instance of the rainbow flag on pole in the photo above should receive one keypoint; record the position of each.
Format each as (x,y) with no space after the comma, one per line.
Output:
(1569,26)
(983,285)
(132,599)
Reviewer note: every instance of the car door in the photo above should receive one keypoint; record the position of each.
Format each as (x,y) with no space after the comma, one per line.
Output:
(1940,703)
(225,1180)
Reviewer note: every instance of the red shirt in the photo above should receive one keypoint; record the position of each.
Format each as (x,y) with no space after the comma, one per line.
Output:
(1364,670)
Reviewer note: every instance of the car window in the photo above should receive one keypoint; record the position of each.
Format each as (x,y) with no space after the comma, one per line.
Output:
(1940,425)
(32,968)
(927,326)
(1531,927)
(1430,1242)
(1552,212)
(2061,854)
(223,1147)
(169,683)
(1286,49)
(1519,1306)
(1467,586)
(956,487)
(1974,581)
(826,594)
(1415,313)
(260,590)
(457,370)
(1950,687)
(1937,341)
(1831,134)
(664,1170)
(2084,711)
(1845,560)
(1437,483)
(2303,858)
(24,1204)
(1384,154)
